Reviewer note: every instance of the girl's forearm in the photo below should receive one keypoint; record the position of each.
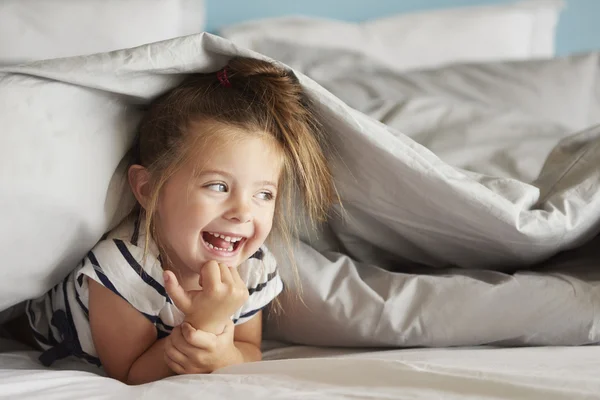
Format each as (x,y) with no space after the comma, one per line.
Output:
(150,366)
(248,351)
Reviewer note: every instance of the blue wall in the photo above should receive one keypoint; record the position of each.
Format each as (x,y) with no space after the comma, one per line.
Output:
(578,30)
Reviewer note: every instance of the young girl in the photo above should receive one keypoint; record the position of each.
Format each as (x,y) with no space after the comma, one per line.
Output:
(179,286)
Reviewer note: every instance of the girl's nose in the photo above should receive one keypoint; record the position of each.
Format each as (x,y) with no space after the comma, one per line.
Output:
(240,212)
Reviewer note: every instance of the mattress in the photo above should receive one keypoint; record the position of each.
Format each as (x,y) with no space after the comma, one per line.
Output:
(326,373)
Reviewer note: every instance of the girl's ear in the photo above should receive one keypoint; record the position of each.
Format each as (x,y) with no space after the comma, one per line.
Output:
(139,181)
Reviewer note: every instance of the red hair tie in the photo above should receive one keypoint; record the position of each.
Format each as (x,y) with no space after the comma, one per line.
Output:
(222,76)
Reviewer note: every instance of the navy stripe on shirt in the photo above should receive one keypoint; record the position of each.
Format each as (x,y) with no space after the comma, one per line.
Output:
(264,284)
(83,307)
(103,279)
(78,298)
(86,356)
(258,254)
(249,313)
(38,336)
(108,284)
(162,326)
(53,292)
(139,270)
(252,312)
(136,232)
(68,310)
(161,334)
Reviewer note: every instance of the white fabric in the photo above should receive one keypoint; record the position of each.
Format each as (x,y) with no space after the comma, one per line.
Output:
(68,123)
(503,120)
(40,29)
(500,119)
(529,373)
(521,30)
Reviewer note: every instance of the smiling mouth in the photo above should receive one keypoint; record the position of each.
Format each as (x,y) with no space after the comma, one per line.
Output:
(222,243)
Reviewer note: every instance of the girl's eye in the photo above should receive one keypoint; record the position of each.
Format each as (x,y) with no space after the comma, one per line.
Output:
(265,196)
(217,187)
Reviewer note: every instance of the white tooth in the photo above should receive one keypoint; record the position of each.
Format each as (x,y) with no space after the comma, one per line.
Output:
(222,237)
(230,248)
(214,234)
(227,238)
(211,246)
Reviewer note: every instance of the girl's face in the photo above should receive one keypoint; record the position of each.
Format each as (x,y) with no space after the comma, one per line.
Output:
(224,210)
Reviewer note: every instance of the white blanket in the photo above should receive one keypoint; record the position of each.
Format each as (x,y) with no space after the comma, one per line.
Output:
(404,208)
(523,187)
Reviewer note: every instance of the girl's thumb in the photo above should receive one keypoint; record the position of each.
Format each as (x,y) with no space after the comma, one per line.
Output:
(175,291)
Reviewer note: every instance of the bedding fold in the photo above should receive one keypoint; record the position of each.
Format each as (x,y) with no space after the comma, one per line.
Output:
(452,182)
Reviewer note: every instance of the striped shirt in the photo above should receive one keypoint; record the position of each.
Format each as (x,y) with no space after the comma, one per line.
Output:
(59,319)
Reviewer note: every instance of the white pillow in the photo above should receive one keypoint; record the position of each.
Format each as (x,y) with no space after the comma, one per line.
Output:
(33,30)
(59,147)
(521,30)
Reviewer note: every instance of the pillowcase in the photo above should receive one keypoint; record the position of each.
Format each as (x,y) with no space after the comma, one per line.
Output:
(522,30)
(60,146)
(32,30)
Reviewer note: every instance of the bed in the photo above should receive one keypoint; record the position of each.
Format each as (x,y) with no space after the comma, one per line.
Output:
(465,264)
(317,373)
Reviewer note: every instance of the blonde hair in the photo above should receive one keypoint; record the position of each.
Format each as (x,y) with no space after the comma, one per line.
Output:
(253,95)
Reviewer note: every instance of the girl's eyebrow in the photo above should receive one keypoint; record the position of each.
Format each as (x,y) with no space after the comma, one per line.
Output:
(215,172)
(229,176)
(267,183)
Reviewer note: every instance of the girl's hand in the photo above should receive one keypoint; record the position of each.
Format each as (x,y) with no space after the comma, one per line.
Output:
(223,292)
(191,351)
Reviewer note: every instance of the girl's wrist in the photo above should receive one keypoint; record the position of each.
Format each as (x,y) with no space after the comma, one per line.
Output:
(210,326)
(235,355)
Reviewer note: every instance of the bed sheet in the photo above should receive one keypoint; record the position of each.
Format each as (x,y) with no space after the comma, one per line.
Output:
(328,373)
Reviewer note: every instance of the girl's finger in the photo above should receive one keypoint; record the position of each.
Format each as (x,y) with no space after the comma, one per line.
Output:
(179,340)
(237,279)
(211,275)
(226,274)
(198,338)
(175,367)
(176,356)
(229,327)
(179,296)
